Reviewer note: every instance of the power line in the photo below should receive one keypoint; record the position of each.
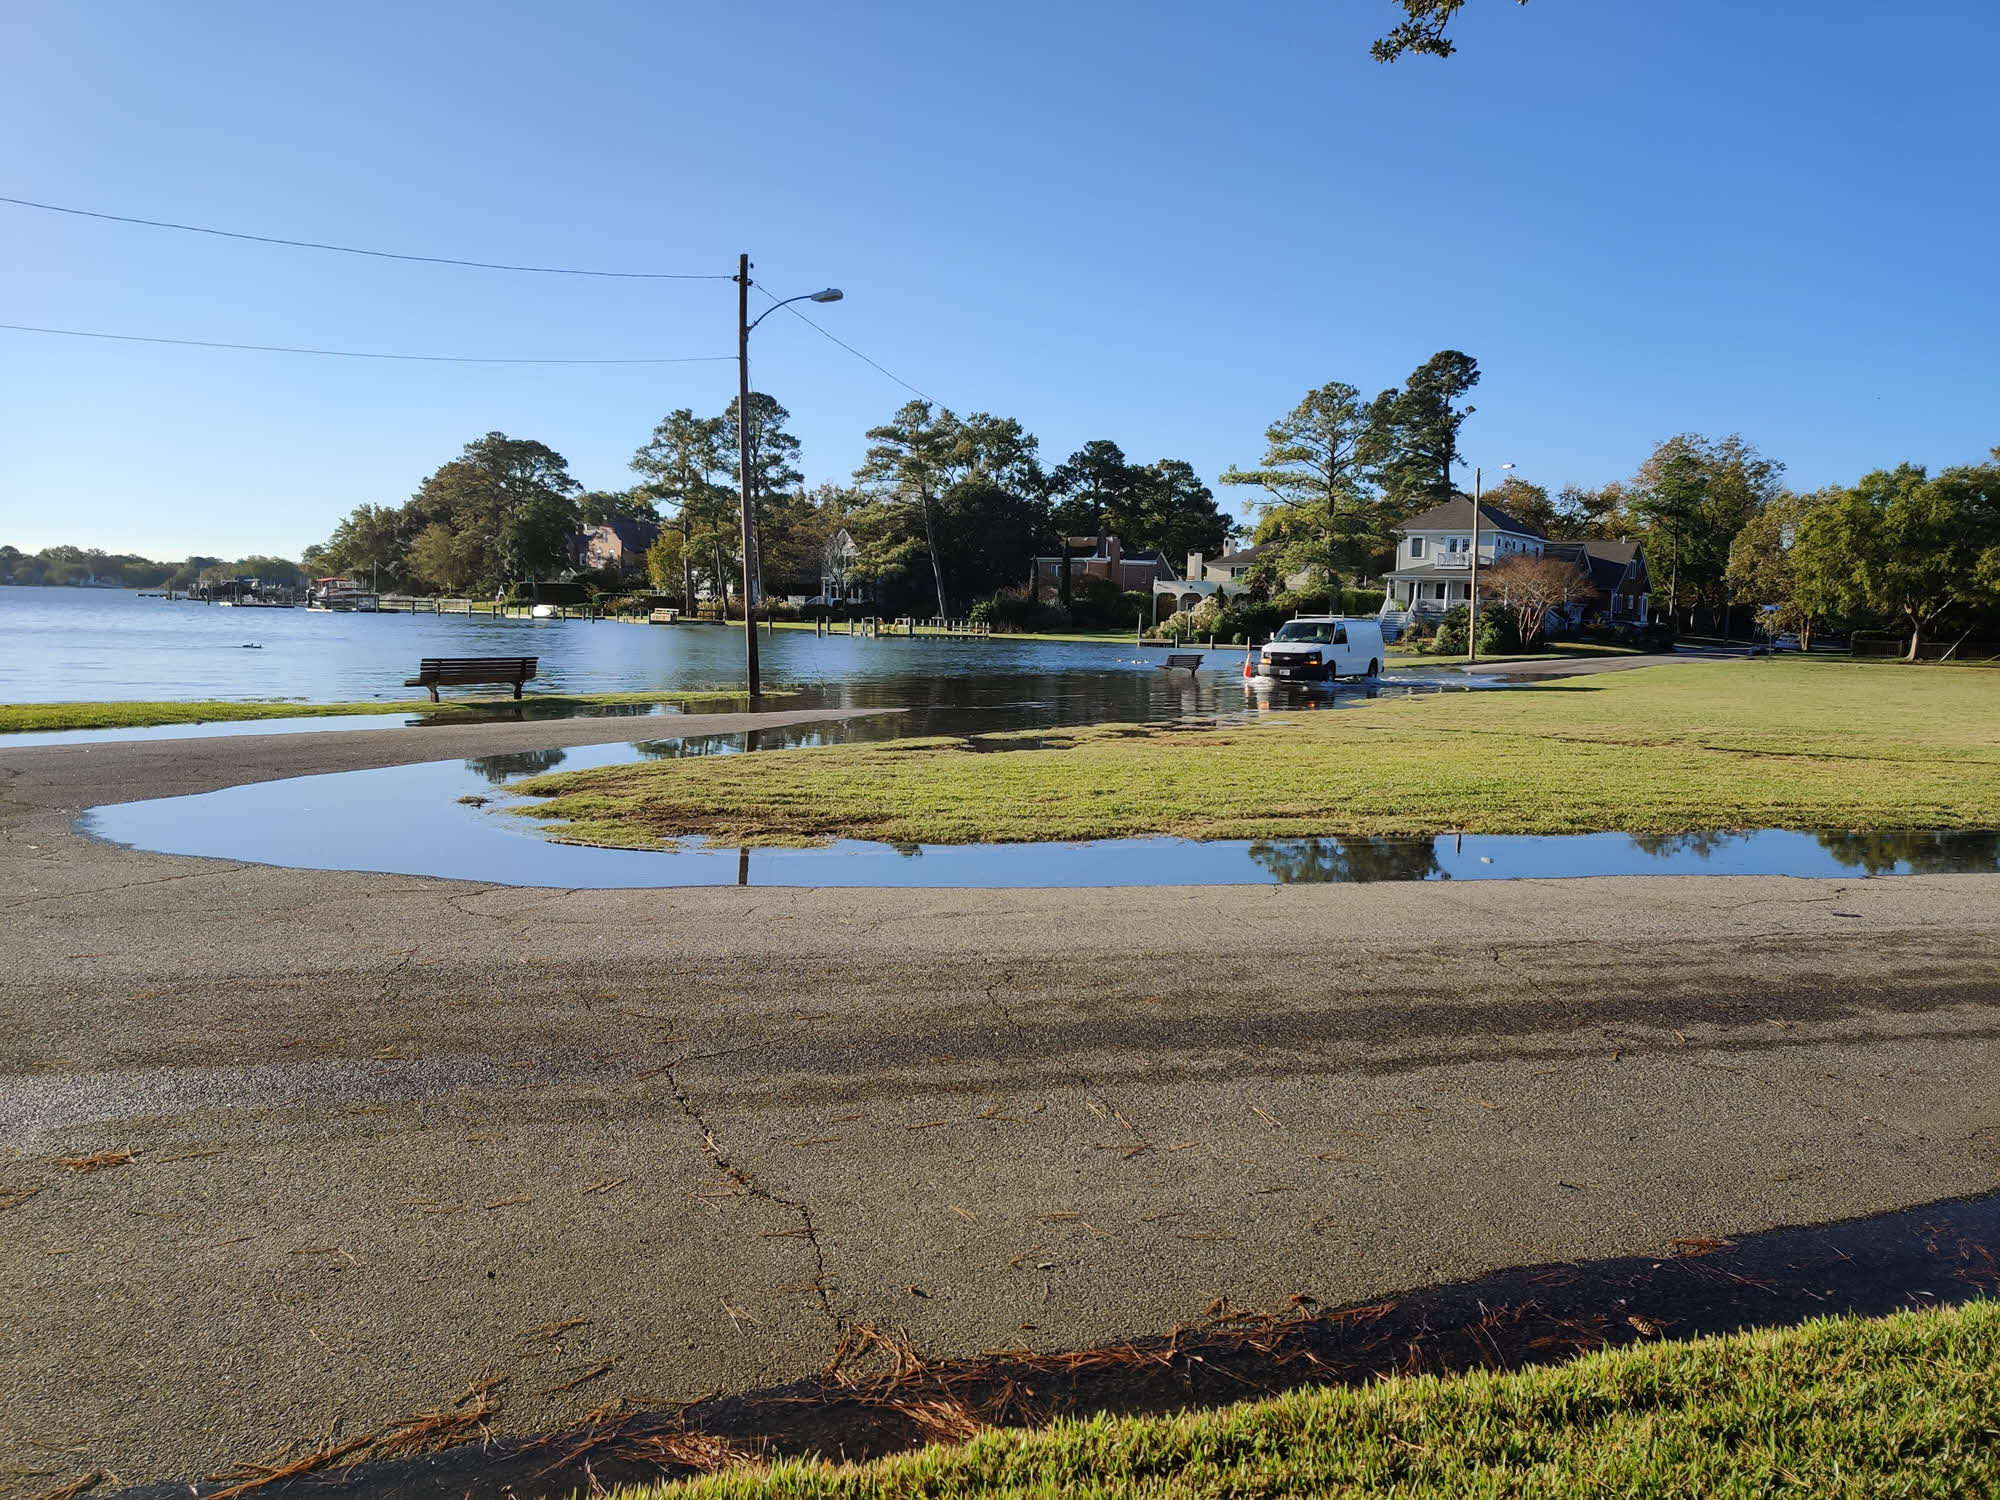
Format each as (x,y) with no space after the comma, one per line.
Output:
(849,348)
(442,359)
(434,260)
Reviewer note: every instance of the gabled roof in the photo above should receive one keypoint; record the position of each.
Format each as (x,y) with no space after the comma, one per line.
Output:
(1456,515)
(1605,561)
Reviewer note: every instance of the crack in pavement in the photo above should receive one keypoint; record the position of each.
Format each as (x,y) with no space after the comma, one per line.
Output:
(130,885)
(756,1189)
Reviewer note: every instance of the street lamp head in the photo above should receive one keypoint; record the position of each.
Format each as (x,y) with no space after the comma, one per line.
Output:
(831,294)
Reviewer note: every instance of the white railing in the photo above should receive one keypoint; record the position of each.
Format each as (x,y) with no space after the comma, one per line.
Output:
(1452,560)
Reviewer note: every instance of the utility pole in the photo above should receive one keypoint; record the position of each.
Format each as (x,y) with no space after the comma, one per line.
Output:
(1472,605)
(743,471)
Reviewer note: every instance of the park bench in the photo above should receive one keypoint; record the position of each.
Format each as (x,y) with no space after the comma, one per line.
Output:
(1177,661)
(435,672)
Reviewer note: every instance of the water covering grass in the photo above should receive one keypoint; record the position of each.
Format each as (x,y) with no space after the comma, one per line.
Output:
(1675,749)
(17,718)
(1902,1405)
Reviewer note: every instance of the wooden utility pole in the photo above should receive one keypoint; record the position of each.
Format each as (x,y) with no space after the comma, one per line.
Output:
(743,474)
(1472,604)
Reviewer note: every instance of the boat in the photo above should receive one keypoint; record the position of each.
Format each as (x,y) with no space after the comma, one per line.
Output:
(342,595)
(543,612)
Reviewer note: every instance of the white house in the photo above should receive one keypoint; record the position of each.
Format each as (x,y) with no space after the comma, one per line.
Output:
(1433,568)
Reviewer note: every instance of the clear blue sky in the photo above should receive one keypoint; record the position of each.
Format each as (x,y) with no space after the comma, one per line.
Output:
(1160,223)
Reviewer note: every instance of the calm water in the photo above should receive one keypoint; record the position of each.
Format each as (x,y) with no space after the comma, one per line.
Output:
(61,644)
(410,820)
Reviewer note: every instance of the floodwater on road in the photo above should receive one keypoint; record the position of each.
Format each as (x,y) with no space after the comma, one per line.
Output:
(458,820)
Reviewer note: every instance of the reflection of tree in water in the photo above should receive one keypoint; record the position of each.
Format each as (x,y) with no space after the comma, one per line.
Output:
(692,748)
(1321,861)
(499,768)
(1938,853)
(1705,845)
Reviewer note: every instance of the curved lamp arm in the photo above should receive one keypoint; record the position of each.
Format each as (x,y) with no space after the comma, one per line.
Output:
(831,294)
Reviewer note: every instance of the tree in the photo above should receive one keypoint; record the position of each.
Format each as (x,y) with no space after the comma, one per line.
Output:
(1693,496)
(1421,31)
(1412,439)
(773,453)
(443,558)
(912,459)
(682,463)
(507,502)
(1170,510)
(1532,588)
(1319,512)
(596,507)
(1525,502)
(371,537)
(667,566)
(1776,561)
(1914,546)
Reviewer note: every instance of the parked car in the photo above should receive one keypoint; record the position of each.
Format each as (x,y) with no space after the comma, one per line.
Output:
(1321,648)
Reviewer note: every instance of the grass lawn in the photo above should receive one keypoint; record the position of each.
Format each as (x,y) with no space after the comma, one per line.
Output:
(16,718)
(1902,1406)
(1557,651)
(1671,749)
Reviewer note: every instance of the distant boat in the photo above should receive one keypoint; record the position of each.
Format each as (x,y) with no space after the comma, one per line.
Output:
(342,594)
(542,612)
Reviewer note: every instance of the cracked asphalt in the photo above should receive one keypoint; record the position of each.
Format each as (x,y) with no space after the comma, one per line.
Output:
(394,1135)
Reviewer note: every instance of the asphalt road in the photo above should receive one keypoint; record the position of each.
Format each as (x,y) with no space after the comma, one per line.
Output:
(396,1135)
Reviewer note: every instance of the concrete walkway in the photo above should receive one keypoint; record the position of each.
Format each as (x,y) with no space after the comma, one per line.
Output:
(396,1135)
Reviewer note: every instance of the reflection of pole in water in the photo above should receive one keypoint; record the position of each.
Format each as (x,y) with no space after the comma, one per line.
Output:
(742,866)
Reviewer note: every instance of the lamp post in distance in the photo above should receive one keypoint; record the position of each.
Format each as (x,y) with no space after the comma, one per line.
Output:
(1472,591)
(744,323)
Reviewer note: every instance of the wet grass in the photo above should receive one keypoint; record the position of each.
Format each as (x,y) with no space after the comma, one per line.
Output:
(1673,749)
(16,718)
(1901,1405)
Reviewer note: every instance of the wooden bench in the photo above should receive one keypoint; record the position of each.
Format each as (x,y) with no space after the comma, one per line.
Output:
(1178,660)
(435,672)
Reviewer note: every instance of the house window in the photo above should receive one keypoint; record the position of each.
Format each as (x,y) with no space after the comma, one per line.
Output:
(1416,546)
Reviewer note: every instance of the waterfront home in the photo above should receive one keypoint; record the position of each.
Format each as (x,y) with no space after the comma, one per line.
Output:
(614,544)
(1100,557)
(1208,577)
(1433,569)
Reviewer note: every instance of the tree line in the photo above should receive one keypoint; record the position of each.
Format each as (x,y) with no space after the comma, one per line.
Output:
(67,565)
(944,510)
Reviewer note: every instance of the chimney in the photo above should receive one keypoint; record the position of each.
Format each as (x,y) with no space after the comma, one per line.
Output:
(1196,562)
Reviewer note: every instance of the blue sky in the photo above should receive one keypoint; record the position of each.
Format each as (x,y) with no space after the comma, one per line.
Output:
(1160,223)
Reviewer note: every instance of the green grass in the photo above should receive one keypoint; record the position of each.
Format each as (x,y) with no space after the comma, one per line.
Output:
(16,718)
(1670,749)
(1904,1406)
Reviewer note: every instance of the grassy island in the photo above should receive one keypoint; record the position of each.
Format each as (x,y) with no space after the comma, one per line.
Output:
(1672,749)
(17,718)
(1894,1406)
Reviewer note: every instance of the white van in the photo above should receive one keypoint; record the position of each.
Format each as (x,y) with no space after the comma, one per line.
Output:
(1319,648)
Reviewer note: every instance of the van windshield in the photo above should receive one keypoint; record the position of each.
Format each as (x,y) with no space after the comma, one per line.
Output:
(1312,632)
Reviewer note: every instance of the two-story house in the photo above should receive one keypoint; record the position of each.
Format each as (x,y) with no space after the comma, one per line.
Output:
(1100,557)
(614,544)
(1433,568)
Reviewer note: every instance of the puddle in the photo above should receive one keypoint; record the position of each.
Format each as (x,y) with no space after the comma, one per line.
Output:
(873,1404)
(453,819)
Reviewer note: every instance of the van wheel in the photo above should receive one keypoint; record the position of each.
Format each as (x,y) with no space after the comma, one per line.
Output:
(1374,669)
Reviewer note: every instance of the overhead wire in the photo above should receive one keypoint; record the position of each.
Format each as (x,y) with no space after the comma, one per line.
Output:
(435,260)
(823,333)
(443,359)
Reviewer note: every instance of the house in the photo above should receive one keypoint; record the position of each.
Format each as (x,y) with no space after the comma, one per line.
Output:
(1209,576)
(1100,557)
(614,544)
(839,558)
(1621,588)
(1433,568)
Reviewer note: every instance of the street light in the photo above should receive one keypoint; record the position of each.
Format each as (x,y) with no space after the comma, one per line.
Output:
(1472,592)
(744,323)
